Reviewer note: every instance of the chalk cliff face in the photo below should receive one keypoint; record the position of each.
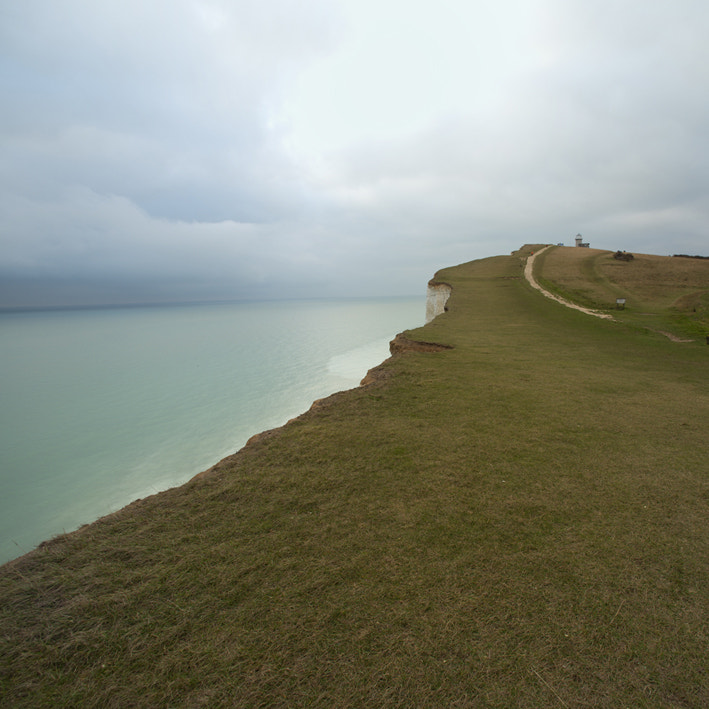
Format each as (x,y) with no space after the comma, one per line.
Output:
(436,298)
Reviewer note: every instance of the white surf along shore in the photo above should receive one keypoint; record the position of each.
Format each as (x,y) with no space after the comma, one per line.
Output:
(437,295)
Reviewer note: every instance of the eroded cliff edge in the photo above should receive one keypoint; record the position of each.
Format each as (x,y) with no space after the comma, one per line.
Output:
(437,296)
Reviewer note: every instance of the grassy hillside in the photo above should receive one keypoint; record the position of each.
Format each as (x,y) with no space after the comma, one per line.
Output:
(662,293)
(517,521)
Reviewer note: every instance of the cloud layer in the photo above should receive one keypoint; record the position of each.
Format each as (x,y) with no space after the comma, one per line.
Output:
(199,149)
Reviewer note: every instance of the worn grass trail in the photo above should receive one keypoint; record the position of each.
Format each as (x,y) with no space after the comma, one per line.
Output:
(518,521)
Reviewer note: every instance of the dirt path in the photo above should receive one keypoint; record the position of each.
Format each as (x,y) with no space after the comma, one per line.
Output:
(529,275)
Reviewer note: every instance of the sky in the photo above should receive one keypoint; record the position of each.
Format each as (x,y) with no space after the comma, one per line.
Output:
(178,150)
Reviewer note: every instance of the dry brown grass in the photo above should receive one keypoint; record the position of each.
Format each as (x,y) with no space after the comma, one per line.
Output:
(661,292)
(660,280)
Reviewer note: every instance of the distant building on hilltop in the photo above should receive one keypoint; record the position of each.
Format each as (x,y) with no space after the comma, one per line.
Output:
(580,242)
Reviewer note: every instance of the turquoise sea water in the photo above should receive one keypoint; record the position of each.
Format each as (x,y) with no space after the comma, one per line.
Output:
(100,407)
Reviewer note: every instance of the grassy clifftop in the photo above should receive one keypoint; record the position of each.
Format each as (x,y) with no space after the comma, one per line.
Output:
(519,520)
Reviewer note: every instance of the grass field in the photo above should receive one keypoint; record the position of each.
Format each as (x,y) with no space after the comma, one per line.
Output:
(518,521)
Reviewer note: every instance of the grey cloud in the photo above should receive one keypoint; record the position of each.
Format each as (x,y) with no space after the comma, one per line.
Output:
(609,138)
(146,148)
(166,103)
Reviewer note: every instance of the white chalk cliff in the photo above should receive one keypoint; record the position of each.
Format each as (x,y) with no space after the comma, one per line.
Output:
(436,298)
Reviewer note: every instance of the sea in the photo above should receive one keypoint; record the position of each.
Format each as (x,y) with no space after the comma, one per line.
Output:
(99,407)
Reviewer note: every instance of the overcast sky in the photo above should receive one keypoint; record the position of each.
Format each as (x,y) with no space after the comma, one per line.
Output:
(200,149)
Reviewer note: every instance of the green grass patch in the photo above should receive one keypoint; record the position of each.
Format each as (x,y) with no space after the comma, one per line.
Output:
(517,521)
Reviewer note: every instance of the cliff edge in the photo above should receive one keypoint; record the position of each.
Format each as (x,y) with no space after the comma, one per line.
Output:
(515,519)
